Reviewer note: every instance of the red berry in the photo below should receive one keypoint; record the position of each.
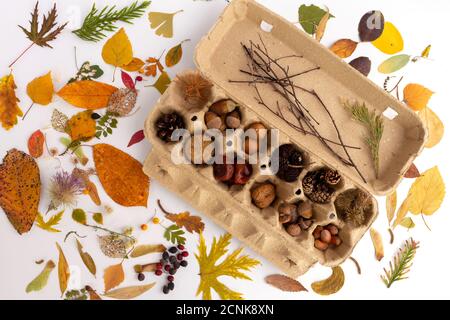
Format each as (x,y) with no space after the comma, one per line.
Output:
(181,247)
(158,272)
(179,256)
(167,267)
(158,266)
(185,253)
(170,278)
(139,78)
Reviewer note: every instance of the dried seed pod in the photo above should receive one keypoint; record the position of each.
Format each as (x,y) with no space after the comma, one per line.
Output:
(332,284)
(193,88)
(263,195)
(233,119)
(213,121)
(305,210)
(294,230)
(223,107)
(332,177)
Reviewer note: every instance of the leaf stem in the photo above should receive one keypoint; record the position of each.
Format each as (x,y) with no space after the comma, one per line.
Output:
(425,222)
(110,231)
(29,108)
(20,56)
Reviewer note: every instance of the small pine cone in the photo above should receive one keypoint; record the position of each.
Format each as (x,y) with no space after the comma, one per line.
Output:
(332,177)
(122,102)
(321,194)
(290,163)
(308,184)
(166,124)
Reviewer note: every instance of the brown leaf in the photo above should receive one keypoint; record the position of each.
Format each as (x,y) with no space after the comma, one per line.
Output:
(87,259)
(92,293)
(371,26)
(121,176)
(344,48)
(135,65)
(391,206)
(113,276)
(362,64)
(412,172)
(63,271)
(144,249)
(284,283)
(9,107)
(36,144)
(184,219)
(87,94)
(129,292)
(20,189)
(175,54)
(332,284)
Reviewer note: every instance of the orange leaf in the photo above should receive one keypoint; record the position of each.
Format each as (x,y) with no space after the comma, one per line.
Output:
(40,89)
(135,65)
(87,94)
(113,276)
(121,176)
(20,189)
(416,96)
(184,219)
(344,48)
(81,126)
(36,144)
(9,108)
(90,188)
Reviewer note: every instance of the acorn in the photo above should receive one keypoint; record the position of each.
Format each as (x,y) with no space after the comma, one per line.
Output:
(213,121)
(304,210)
(261,130)
(222,107)
(233,120)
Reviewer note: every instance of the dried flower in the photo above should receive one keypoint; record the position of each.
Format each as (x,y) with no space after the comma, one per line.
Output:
(53,152)
(64,189)
(122,102)
(194,88)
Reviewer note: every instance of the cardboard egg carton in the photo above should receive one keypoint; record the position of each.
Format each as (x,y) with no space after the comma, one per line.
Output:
(219,57)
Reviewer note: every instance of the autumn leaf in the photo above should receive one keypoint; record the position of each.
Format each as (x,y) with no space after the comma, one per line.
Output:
(175,54)
(402,211)
(390,41)
(79,216)
(320,30)
(185,220)
(98,217)
(310,16)
(377,244)
(344,48)
(87,94)
(134,65)
(118,51)
(412,172)
(394,63)
(162,23)
(63,271)
(93,295)
(127,80)
(59,121)
(233,265)
(9,108)
(87,259)
(41,280)
(81,126)
(284,283)
(137,137)
(129,292)
(162,83)
(50,223)
(113,276)
(121,176)
(416,96)
(332,284)
(371,26)
(434,125)
(152,67)
(20,189)
(144,249)
(426,52)
(36,144)
(40,90)
(407,223)
(391,206)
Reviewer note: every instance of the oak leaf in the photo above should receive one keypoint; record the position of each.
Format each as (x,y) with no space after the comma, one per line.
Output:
(9,108)
(184,219)
(129,292)
(416,96)
(36,144)
(20,189)
(344,48)
(121,176)
(233,265)
(113,276)
(162,22)
(118,51)
(63,271)
(434,125)
(40,90)
(135,65)
(87,94)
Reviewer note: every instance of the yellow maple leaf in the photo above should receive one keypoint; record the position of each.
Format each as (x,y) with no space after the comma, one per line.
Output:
(118,51)
(416,96)
(40,90)
(231,266)
(50,223)
(9,108)
(427,192)
(162,22)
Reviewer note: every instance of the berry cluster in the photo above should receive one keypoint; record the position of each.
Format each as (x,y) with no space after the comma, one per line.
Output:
(171,261)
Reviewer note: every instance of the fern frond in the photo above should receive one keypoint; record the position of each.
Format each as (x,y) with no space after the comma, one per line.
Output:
(401,264)
(98,22)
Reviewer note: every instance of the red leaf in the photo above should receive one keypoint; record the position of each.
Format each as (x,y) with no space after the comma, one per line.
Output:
(127,80)
(136,138)
(412,172)
(36,144)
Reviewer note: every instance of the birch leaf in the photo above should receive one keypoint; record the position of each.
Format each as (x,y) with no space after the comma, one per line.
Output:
(144,249)
(40,90)
(41,280)
(377,244)
(427,192)
(63,271)
(391,206)
(118,51)
(434,125)
(162,23)
(332,284)
(416,96)
(129,292)
(9,107)
(87,259)
(113,276)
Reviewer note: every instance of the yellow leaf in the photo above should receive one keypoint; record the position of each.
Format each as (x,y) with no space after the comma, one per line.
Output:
(63,271)
(87,259)
(135,65)
(232,266)
(162,22)
(322,26)
(391,205)
(426,52)
(377,244)
(144,249)
(174,55)
(332,284)
(129,292)
(87,94)
(41,280)
(9,108)
(408,223)
(390,41)
(117,51)
(40,90)
(402,211)
(427,192)
(344,48)
(81,126)
(113,276)
(416,96)
(50,223)
(434,125)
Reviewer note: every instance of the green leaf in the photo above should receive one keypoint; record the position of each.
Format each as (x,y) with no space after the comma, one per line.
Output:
(41,280)
(98,72)
(310,16)
(408,223)
(162,83)
(394,63)
(174,234)
(79,216)
(50,223)
(98,217)
(77,150)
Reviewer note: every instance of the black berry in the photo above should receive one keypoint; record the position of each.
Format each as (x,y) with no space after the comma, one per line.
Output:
(95,116)
(166,289)
(176,264)
(172,259)
(179,256)
(172,271)
(184,263)
(141,277)
(171,285)
(173,249)
(165,255)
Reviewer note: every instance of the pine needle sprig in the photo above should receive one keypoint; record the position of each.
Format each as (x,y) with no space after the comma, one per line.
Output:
(400,266)
(375,126)
(98,22)
(48,31)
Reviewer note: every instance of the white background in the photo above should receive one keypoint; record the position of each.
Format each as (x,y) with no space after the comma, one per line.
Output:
(420,22)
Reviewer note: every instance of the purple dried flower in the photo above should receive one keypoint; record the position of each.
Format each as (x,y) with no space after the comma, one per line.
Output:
(64,189)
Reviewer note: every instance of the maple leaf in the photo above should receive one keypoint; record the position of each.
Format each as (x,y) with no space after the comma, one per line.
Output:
(184,219)
(232,266)
(50,223)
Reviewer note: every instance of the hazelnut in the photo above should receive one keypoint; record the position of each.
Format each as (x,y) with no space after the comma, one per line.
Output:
(322,246)
(294,230)
(197,156)
(284,218)
(304,223)
(325,236)
(223,172)
(222,107)
(333,229)
(304,210)
(261,130)
(242,173)
(250,146)
(335,241)
(213,121)
(288,209)
(263,195)
(233,120)
(317,231)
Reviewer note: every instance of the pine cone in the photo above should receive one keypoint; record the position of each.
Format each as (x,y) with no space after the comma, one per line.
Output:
(122,102)
(167,124)
(332,177)
(321,194)
(290,163)
(316,188)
